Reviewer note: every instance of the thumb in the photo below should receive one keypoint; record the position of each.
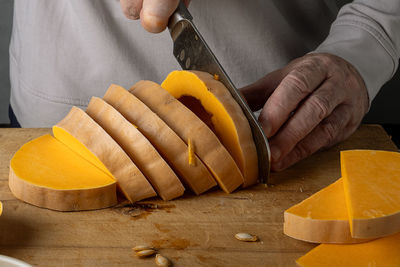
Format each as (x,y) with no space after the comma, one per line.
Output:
(257,93)
(155,14)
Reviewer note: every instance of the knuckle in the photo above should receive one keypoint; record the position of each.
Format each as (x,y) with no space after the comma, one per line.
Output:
(293,134)
(297,81)
(330,131)
(320,106)
(301,151)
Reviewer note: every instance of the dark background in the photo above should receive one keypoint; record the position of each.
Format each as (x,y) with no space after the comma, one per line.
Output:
(385,108)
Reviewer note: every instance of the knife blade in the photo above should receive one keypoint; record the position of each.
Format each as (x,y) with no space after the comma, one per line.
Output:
(192,53)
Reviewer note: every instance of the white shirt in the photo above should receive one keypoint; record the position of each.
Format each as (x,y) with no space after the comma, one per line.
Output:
(66,51)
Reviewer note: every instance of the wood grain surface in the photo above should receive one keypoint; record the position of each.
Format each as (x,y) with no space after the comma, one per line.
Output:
(191,231)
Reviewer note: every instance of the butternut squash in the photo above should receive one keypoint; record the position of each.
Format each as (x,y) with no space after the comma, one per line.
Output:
(187,125)
(371,182)
(138,148)
(379,252)
(85,137)
(227,118)
(321,218)
(46,173)
(164,139)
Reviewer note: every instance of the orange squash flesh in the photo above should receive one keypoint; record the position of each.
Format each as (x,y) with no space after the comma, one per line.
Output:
(46,173)
(321,218)
(187,125)
(371,180)
(138,148)
(227,118)
(163,138)
(85,137)
(380,252)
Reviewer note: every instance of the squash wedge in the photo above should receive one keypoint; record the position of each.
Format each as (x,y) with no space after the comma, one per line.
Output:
(46,173)
(164,139)
(138,148)
(321,218)
(227,118)
(379,252)
(188,126)
(86,138)
(371,180)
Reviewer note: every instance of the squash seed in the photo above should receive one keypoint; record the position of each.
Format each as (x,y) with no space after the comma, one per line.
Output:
(162,261)
(141,247)
(145,253)
(246,237)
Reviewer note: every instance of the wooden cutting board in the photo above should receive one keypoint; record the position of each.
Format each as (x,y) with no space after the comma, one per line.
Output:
(191,231)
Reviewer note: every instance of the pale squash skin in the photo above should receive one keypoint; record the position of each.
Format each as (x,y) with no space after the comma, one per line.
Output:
(138,148)
(188,126)
(130,179)
(163,138)
(98,193)
(228,119)
(63,200)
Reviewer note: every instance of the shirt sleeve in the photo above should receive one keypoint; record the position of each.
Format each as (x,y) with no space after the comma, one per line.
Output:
(366,33)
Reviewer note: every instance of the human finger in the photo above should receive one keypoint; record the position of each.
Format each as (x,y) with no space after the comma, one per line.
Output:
(155,14)
(333,129)
(131,8)
(302,80)
(316,107)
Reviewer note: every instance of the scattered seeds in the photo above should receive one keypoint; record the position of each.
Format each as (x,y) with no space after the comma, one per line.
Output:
(145,253)
(246,237)
(141,247)
(162,261)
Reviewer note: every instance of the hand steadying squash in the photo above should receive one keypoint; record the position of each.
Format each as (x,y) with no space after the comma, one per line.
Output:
(314,102)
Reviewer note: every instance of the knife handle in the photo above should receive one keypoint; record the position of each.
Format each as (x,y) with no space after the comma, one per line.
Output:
(181,13)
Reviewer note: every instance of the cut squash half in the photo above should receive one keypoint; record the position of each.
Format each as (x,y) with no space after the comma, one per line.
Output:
(46,173)
(321,218)
(211,101)
(163,138)
(138,148)
(371,180)
(188,126)
(85,137)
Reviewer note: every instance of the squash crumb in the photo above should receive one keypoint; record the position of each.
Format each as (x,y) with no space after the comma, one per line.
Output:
(216,77)
(191,157)
(134,125)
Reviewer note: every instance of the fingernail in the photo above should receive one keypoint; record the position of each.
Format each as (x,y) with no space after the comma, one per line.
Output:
(275,153)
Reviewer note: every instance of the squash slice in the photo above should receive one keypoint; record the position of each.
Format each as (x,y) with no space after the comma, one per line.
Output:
(188,126)
(138,148)
(85,137)
(164,139)
(46,173)
(371,180)
(227,118)
(321,218)
(379,252)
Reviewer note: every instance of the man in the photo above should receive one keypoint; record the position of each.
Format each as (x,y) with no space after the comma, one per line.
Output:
(63,52)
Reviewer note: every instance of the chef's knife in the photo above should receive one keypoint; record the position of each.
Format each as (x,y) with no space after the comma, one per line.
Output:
(193,53)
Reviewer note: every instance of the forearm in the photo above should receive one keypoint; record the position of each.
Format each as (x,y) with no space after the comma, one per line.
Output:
(367,34)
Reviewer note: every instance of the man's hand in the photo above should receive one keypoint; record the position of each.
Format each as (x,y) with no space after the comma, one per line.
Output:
(314,102)
(153,14)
